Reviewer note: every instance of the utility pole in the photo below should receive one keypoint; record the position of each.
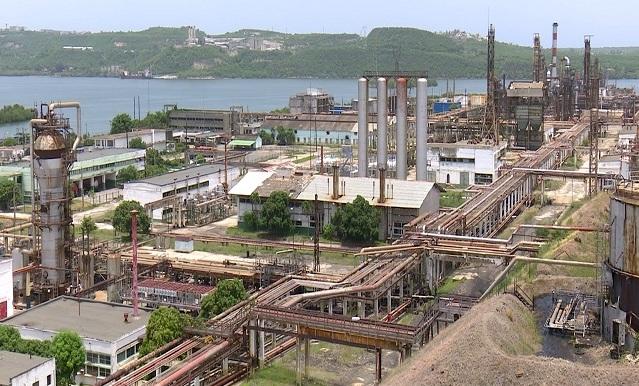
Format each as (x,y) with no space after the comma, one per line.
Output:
(134,261)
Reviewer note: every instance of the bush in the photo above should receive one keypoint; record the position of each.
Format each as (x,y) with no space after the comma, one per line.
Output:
(357,221)
(227,293)
(122,217)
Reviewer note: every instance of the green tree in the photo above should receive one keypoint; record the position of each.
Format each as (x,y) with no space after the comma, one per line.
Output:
(285,136)
(275,216)
(357,221)
(165,324)
(129,173)
(199,159)
(121,123)
(137,143)
(122,217)
(251,220)
(10,141)
(10,194)
(227,293)
(87,226)
(156,120)
(15,113)
(69,354)
(10,339)
(267,137)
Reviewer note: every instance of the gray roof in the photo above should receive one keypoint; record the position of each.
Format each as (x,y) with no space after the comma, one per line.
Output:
(98,153)
(89,318)
(14,364)
(130,135)
(321,122)
(181,175)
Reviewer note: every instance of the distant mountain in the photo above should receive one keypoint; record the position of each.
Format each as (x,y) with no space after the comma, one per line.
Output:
(266,54)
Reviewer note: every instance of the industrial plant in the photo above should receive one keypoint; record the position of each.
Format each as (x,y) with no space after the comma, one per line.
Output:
(411,223)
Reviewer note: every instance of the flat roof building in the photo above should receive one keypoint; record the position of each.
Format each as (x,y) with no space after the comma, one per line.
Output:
(463,163)
(26,370)
(110,339)
(323,129)
(155,138)
(220,121)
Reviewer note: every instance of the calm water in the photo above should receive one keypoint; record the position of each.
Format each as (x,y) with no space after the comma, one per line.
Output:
(102,98)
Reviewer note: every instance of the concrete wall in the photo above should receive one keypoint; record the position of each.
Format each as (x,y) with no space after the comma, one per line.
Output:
(484,160)
(37,374)
(324,137)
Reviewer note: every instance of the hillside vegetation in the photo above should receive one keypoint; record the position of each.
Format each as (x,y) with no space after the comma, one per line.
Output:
(163,50)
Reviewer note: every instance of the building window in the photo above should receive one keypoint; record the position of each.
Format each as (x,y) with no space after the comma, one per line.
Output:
(298,223)
(49,380)
(398,229)
(36,383)
(483,179)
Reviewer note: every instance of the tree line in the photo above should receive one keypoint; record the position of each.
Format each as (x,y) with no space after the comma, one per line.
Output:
(15,113)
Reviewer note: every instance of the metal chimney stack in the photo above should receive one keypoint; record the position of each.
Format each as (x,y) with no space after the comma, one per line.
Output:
(401,115)
(421,127)
(362,127)
(538,70)
(553,71)
(382,123)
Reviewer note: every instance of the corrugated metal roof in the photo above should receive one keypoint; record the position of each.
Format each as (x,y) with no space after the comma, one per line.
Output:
(249,183)
(242,142)
(181,175)
(173,286)
(400,193)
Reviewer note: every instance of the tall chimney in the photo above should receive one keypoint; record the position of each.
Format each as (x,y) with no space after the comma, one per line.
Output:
(335,182)
(382,123)
(537,67)
(421,125)
(553,71)
(382,186)
(401,115)
(586,77)
(362,127)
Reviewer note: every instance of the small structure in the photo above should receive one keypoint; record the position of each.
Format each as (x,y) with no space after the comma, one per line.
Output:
(184,296)
(321,129)
(110,336)
(23,369)
(183,183)
(527,101)
(200,120)
(246,143)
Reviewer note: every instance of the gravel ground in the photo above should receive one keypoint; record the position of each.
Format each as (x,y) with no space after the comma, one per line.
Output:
(494,344)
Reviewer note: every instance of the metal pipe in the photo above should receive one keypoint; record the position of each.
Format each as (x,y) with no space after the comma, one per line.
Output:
(362,127)
(78,112)
(192,364)
(401,147)
(534,260)
(382,123)
(421,129)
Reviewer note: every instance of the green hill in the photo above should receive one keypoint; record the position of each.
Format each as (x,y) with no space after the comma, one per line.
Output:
(443,55)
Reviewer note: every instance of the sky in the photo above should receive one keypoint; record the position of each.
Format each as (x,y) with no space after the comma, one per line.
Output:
(515,20)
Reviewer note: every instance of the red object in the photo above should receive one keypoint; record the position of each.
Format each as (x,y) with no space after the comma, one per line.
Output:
(3,309)
(134,273)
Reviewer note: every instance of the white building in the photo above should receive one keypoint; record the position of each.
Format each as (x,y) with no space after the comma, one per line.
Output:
(155,138)
(464,164)
(6,288)
(405,200)
(26,370)
(185,183)
(110,334)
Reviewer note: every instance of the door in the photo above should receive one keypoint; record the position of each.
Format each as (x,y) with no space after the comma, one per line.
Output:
(463,178)
(3,310)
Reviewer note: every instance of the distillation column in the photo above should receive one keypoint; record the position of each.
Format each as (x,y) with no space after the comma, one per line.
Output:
(401,116)
(362,127)
(421,124)
(382,124)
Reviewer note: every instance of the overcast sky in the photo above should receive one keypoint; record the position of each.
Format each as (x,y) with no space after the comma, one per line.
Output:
(611,22)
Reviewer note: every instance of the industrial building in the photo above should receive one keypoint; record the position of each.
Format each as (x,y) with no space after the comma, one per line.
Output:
(312,101)
(399,201)
(317,129)
(154,138)
(183,183)
(110,336)
(183,296)
(201,120)
(464,163)
(26,370)
(527,103)
(94,169)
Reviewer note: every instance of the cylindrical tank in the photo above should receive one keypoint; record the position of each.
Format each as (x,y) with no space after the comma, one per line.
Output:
(362,127)
(50,172)
(421,129)
(382,123)
(624,240)
(401,115)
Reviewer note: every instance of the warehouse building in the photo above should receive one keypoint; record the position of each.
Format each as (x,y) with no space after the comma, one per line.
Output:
(155,138)
(94,169)
(317,129)
(110,334)
(26,370)
(184,183)
(403,200)
(201,120)
(463,163)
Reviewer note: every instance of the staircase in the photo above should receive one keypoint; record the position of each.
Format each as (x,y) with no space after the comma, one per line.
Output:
(523,297)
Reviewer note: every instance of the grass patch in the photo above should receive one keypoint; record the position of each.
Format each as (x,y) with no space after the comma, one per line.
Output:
(302,159)
(449,286)
(451,199)
(551,185)
(564,219)
(572,163)
(276,374)
(523,218)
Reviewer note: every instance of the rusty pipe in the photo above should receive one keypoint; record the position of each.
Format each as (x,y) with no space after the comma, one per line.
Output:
(193,364)
(78,112)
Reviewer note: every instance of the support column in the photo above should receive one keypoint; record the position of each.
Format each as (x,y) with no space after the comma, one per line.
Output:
(261,356)
(330,306)
(307,356)
(298,361)
(360,308)
(225,366)
(376,307)
(401,290)
(389,300)
(252,340)
(378,365)
(345,307)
